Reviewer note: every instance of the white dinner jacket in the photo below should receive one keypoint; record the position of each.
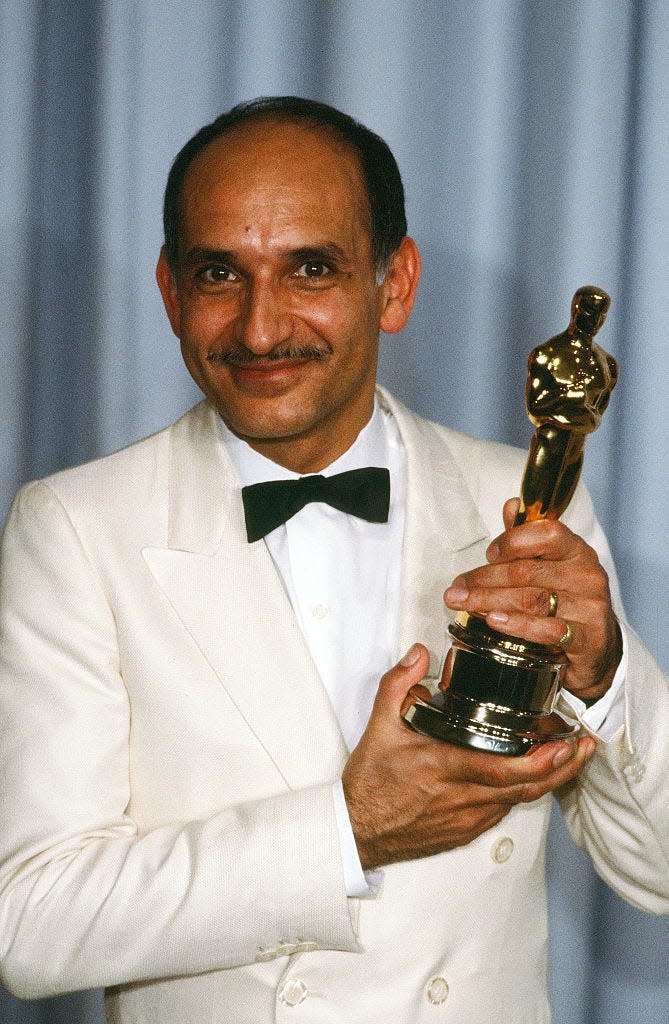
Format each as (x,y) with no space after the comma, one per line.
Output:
(166,818)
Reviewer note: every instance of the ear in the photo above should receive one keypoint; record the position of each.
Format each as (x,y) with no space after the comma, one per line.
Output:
(398,291)
(169,292)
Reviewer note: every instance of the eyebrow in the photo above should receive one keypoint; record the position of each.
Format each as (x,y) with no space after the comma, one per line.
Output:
(201,255)
(326,252)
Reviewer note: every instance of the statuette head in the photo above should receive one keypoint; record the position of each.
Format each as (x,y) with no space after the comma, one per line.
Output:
(588,309)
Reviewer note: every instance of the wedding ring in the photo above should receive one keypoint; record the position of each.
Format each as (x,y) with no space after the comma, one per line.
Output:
(553,605)
(566,640)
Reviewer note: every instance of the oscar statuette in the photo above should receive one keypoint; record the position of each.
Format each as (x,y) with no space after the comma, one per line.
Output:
(498,692)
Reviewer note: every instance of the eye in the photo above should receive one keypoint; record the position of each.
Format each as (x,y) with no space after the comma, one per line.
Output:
(216,274)
(313,269)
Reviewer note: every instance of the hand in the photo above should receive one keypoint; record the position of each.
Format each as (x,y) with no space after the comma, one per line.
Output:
(409,796)
(525,565)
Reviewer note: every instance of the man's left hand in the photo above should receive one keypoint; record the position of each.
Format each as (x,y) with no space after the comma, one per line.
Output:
(526,565)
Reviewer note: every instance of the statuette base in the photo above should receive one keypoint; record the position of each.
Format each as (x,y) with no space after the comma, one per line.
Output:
(483,726)
(523,677)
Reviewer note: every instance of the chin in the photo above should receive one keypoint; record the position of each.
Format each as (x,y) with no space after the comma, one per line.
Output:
(260,428)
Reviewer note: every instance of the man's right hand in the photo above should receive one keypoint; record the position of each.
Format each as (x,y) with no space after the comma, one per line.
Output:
(409,796)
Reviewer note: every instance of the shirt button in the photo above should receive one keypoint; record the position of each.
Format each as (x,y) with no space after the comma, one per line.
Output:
(634,770)
(320,611)
(293,992)
(437,990)
(502,850)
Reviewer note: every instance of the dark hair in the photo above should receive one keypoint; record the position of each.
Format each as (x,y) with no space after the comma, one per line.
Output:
(379,167)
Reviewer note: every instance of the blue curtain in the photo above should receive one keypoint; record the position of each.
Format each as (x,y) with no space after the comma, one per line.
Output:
(533,140)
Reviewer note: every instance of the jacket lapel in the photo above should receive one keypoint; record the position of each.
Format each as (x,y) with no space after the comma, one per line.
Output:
(444,533)
(212,578)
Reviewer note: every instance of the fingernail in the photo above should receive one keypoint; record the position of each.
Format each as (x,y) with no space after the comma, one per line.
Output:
(497,618)
(456,595)
(411,656)
(589,747)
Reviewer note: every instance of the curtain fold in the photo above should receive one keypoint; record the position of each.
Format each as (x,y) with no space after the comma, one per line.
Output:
(533,141)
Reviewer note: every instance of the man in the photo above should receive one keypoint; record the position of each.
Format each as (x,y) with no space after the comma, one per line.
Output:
(201,810)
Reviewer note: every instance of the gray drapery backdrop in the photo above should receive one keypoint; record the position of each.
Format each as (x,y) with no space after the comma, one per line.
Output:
(533,141)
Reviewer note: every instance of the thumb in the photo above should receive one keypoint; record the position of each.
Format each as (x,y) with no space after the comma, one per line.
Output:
(397,680)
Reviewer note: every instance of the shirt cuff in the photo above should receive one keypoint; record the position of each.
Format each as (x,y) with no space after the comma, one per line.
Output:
(357,882)
(605,717)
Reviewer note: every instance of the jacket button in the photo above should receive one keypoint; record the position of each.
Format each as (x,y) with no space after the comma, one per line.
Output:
(437,990)
(293,992)
(502,850)
(305,946)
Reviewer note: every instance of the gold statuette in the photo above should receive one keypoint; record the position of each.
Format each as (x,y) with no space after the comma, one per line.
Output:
(498,692)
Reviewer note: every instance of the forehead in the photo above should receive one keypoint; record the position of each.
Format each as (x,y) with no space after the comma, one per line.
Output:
(274,168)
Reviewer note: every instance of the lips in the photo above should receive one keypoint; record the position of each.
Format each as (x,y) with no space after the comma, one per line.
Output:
(268,365)
(267,376)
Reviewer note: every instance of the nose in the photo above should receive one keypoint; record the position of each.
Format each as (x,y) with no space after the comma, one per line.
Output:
(264,321)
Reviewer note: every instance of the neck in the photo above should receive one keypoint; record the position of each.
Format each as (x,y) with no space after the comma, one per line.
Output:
(309,454)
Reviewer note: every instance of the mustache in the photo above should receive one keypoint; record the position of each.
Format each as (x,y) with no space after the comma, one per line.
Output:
(240,355)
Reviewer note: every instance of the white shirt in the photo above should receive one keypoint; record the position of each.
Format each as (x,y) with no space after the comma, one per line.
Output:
(341,573)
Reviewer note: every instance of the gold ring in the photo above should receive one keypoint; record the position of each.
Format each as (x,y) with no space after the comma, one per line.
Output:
(566,640)
(553,605)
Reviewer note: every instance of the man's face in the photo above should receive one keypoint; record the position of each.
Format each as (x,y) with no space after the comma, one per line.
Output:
(275,300)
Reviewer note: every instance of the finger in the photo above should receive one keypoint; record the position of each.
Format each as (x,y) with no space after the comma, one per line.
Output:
(542,769)
(546,757)
(545,538)
(501,772)
(526,601)
(547,631)
(417,692)
(532,573)
(576,582)
(546,779)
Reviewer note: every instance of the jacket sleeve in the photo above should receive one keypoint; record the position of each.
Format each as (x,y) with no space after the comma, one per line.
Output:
(87,900)
(617,810)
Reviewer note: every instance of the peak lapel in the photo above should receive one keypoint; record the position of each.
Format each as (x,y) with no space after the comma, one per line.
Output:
(444,533)
(229,597)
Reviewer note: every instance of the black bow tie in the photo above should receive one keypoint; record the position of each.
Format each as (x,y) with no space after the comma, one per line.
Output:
(364,493)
